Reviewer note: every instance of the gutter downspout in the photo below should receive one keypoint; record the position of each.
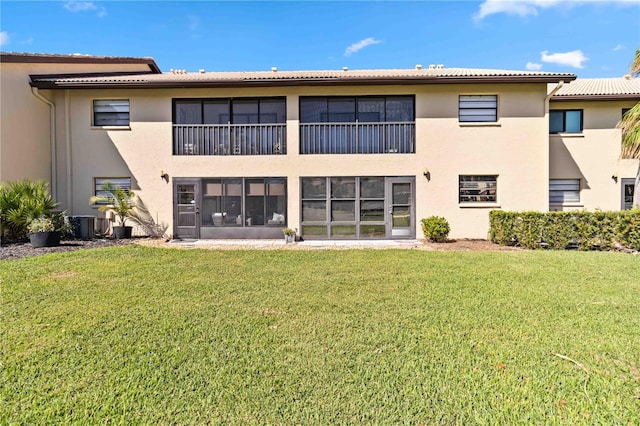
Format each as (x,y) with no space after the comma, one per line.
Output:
(548,144)
(67,133)
(52,142)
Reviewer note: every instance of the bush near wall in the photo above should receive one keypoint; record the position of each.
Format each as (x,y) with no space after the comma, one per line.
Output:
(560,230)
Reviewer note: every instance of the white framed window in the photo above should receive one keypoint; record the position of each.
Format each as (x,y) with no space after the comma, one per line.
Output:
(478,108)
(563,191)
(119,182)
(111,112)
(628,189)
(477,188)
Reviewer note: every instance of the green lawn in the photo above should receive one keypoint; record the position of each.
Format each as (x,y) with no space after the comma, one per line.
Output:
(135,335)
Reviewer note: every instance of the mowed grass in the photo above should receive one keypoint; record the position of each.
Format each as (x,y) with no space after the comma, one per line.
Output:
(135,335)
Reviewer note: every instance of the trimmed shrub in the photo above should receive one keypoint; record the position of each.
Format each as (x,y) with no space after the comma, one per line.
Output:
(435,228)
(561,230)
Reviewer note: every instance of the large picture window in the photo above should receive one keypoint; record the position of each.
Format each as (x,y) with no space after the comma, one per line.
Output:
(244,202)
(349,109)
(357,125)
(230,111)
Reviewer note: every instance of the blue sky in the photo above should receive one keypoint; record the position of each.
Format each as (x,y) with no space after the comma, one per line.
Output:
(589,38)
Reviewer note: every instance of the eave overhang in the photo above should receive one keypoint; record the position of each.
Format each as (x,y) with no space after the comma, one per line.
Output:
(236,83)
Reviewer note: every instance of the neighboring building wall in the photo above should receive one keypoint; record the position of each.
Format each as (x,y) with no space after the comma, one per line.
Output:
(514,149)
(593,155)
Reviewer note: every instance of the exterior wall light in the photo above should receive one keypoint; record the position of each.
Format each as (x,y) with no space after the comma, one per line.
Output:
(427,174)
(164,175)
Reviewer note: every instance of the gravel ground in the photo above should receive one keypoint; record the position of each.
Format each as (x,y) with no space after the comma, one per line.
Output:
(18,250)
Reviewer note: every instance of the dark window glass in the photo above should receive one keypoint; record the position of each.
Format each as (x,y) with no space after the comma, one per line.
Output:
(371,110)
(245,112)
(188,112)
(342,110)
(313,110)
(314,188)
(565,121)
(343,187)
(400,109)
(216,112)
(273,111)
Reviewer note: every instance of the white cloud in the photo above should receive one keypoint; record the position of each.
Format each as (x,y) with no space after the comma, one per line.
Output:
(4,38)
(532,66)
(75,6)
(575,58)
(356,47)
(531,7)
(619,47)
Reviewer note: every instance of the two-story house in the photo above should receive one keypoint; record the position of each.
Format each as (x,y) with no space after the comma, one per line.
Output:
(346,154)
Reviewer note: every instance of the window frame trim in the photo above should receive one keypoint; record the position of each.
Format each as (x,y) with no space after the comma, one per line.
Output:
(479,204)
(495,122)
(566,203)
(110,126)
(564,121)
(229,101)
(356,98)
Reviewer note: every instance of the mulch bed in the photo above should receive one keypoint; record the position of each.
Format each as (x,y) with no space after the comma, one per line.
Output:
(18,250)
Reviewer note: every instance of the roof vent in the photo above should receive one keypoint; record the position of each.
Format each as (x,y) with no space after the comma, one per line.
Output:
(627,77)
(432,67)
(439,67)
(418,67)
(345,68)
(201,70)
(274,69)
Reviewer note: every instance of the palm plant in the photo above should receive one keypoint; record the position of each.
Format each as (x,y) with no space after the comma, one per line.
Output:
(121,202)
(630,126)
(21,202)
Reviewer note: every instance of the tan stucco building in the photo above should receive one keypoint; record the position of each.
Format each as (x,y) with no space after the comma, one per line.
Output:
(351,154)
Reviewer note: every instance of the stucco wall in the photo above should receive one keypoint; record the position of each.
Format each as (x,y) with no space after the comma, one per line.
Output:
(515,149)
(25,150)
(593,155)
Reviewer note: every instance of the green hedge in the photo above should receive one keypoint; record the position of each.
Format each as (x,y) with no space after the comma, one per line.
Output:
(560,230)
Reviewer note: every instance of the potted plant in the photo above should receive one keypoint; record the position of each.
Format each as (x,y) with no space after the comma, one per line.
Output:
(45,231)
(289,235)
(122,203)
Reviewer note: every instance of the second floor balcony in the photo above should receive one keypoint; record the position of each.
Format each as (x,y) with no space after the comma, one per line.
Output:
(358,138)
(229,139)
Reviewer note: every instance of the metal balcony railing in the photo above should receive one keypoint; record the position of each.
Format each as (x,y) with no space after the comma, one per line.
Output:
(358,138)
(229,139)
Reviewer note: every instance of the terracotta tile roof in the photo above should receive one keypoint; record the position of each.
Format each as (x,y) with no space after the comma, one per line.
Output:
(180,78)
(588,88)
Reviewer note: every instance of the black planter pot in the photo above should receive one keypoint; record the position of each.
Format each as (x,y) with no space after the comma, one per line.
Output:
(45,239)
(122,232)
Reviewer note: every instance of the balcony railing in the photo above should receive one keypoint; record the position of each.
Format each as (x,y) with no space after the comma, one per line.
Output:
(358,138)
(229,139)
